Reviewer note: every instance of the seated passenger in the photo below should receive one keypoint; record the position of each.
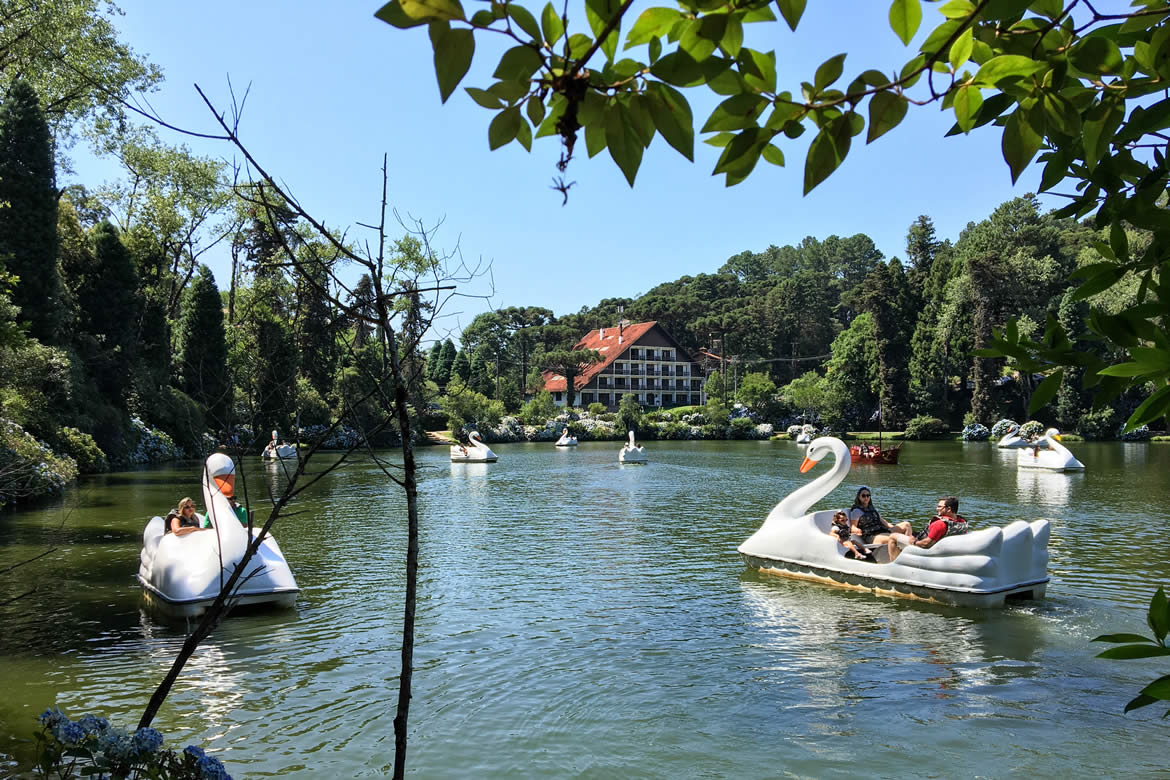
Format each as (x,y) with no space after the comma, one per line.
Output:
(947,522)
(846,538)
(874,530)
(183,519)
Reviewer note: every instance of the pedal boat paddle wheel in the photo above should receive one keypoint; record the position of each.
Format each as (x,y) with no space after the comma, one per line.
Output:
(182,575)
(982,568)
(475,451)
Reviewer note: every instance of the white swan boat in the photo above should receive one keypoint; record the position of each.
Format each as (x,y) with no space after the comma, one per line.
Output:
(1055,458)
(566,440)
(1013,441)
(979,569)
(803,438)
(632,453)
(182,575)
(276,451)
(475,452)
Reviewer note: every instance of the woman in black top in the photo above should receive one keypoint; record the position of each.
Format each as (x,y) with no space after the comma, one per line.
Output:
(874,529)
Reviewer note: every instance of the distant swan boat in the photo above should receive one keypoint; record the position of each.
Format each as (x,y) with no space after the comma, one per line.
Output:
(1055,458)
(566,440)
(475,452)
(632,453)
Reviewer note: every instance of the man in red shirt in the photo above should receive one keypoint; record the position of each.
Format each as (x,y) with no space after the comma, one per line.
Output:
(947,521)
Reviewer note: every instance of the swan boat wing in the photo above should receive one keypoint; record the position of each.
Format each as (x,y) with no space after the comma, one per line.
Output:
(979,569)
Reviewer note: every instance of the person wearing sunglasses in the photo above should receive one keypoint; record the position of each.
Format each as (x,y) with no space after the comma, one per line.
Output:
(869,523)
(183,519)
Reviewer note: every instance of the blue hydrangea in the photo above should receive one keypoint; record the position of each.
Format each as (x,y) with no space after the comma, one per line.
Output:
(194,750)
(93,724)
(68,733)
(147,740)
(1001,428)
(210,768)
(117,745)
(51,717)
(975,432)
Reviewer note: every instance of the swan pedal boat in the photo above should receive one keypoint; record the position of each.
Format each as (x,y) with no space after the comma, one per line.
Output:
(566,440)
(475,452)
(1055,458)
(632,453)
(1013,441)
(981,568)
(282,452)
(181,574)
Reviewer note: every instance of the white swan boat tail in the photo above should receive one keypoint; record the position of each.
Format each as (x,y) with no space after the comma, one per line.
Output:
(632,453)
(182,575)
(979,569)
(1013,441)
(566,440)
(1055,458)
(475,451)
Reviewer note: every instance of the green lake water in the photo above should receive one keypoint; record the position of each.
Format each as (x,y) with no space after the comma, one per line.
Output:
(579,618)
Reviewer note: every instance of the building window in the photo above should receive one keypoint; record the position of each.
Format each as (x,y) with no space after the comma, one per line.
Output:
(557,396)
(604,398)
(586,398)
(667,399)
(694,399)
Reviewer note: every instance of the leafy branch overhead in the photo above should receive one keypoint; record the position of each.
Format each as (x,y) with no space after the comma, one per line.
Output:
(1079,91)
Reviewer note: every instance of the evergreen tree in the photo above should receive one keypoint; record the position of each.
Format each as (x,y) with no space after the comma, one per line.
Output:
(884,295)
(446,362)
(462,366)
(433,360)
(28,218)
(202,347)
(922,246)
(314,326)
(481,374)
(108,304)
(1071,399)
(363,299)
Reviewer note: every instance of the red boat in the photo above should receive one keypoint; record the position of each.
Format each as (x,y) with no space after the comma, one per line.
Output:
(872,453)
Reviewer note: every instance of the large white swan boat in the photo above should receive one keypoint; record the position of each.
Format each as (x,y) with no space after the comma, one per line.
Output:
(566,440)
(182,575)
(1051,456)
(979,569)
(474,452)
(278,451)
(632,453)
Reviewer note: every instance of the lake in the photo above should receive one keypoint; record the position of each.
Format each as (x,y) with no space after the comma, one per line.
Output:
(582,618)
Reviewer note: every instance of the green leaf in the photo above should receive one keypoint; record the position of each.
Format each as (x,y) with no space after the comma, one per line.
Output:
(525,21)
(968,100)
(672,117)
(961,49)
(791,10)
(1158,689)
(1159,616)
(773,155)
(509,91)
(579,43)
(1140,701)
(1046,390)
(504,127)
(828,72)
(484,98)
(625,147)
(886,110)
(652,23)
(1097,130)
(678,68)
(1129,652)
(1020,143)
(535,109)
(556,110)
(740,156)
(758,69)
(905,16)
(1006,66)
(598,13)
(553,25)
(482,18)
(732,40)
(957,9)
(1096,56)
(1118,240)
(433,9)
(1103,280)
(518,64)
(1061,114)
(524,135)
(393,14)
(827,151)
(694,43)
(1157,405)
(594,139)
(1117,638)
(735,113)
(453,52)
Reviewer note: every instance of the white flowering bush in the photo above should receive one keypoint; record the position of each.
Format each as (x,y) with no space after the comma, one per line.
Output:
(765,431)
(340,438)
(28,468)
(1001,428)
(509,429)
(1137,434)
(975,432)
(150,444)
(91,747)
(1031,429)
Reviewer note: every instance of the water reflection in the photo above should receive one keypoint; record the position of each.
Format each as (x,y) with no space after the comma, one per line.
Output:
(1134,454)
(1048,488)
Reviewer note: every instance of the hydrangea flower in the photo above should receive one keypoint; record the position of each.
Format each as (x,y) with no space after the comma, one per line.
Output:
(1001,428)
(147,740)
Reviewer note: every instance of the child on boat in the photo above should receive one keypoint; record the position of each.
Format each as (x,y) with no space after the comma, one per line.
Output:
(844,533)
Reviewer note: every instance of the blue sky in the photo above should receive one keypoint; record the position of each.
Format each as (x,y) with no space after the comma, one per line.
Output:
(332,89)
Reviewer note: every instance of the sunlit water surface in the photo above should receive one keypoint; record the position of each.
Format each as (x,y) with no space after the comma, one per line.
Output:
(581,618)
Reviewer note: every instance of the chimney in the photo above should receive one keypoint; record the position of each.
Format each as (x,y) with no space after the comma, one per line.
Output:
(621,329)
(603,334)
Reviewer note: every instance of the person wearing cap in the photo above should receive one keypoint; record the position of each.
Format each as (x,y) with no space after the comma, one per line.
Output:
(870,525)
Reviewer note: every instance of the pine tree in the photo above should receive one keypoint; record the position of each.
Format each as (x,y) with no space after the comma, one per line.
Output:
(202,347)
(461,367)
(314,331)
(28,220)
(446,362)
(108,303)
(433,361)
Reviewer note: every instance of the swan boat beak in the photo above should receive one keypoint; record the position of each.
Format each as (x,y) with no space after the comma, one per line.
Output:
(807,464)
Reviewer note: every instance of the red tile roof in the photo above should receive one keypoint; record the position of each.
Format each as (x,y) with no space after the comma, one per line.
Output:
(608,347)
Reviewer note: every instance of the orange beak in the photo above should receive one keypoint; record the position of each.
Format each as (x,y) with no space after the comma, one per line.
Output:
(226,485)
(806,465)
